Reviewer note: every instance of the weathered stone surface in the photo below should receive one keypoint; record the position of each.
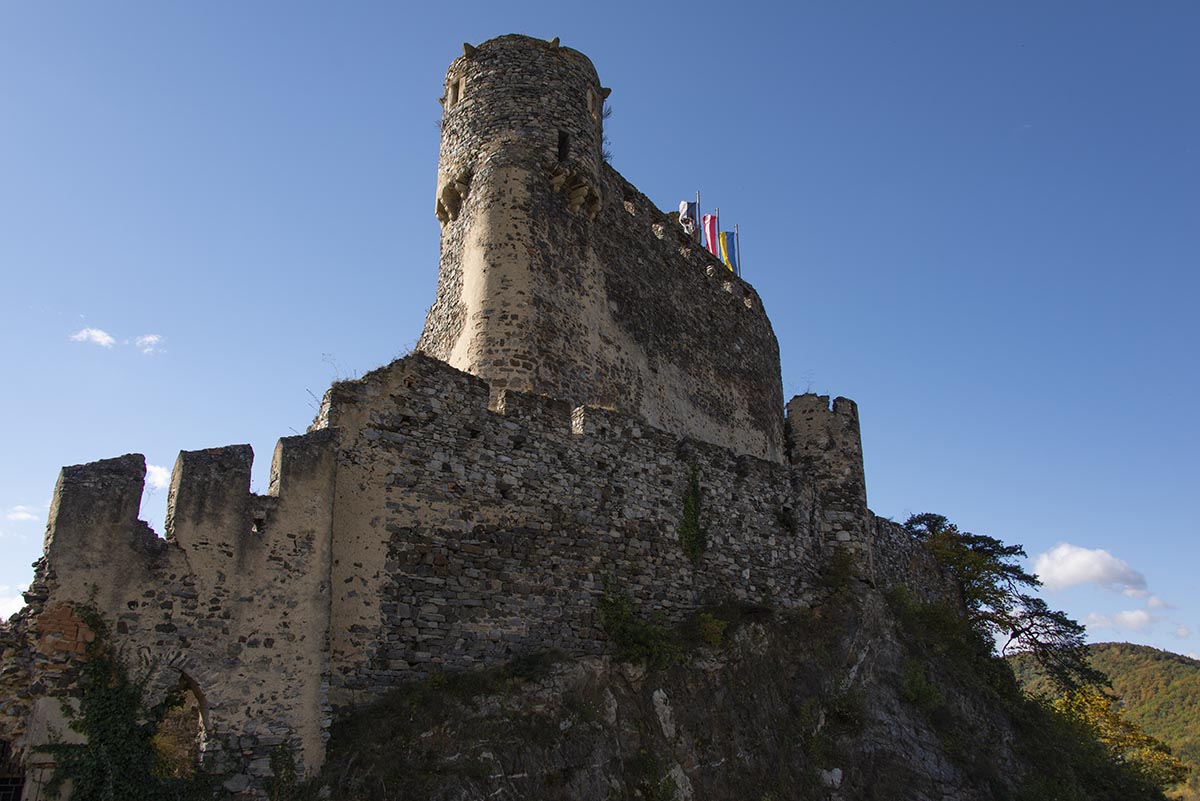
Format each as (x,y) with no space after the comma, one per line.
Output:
(597,309)
(434,519)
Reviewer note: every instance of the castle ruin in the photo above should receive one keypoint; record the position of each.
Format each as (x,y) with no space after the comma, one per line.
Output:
(583,369)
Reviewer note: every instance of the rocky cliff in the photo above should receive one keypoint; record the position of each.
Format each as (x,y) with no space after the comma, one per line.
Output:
(865,695)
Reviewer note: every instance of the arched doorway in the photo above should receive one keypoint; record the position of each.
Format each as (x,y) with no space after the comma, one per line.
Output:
(181,735)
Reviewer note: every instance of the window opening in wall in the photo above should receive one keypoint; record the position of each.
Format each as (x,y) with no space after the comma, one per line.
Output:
(12,775)
(564,145)
(455,92)
(593,105)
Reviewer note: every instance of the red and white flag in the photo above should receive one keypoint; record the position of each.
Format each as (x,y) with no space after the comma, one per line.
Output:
(710,233)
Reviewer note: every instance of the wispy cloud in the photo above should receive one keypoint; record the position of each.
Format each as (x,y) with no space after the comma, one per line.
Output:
(146,343)
(1183,632)
(157,477)
(1066,565)
(21,514)
(149,343)
(96,336)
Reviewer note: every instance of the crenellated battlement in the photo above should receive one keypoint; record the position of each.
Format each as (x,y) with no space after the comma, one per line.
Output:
(427,522)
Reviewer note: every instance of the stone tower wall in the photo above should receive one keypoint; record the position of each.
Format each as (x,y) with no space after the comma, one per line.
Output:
(558,277)
(827,449)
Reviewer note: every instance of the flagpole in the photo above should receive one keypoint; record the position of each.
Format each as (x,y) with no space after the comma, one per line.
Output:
(737,239)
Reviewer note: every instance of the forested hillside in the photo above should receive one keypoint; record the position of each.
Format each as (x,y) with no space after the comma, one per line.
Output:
(1160,692)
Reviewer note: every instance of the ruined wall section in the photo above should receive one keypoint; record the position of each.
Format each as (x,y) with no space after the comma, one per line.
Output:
(234,602)
(901,560)
(558,277)
(466,536)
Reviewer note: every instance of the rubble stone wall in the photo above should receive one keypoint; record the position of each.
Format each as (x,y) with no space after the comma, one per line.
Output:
(232,603)
(558,277)
(422,525)
(465,536)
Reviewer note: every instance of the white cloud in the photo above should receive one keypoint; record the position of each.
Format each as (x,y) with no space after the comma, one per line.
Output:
(10,602)
(157,477)
(1136,619)
(21,514)
(1183,632)
(1133,619)
(146,343)
(149,343)
(1154,602)
(94,335)
(1066,565)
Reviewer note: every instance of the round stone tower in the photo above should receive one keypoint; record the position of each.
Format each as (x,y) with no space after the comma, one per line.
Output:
(558,277)
(518,101)
(518,187)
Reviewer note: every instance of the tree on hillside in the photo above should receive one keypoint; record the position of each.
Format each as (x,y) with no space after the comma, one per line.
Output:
(1124,740)
(992,589)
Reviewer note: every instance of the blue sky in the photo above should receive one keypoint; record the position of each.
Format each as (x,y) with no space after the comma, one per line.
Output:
(980,221)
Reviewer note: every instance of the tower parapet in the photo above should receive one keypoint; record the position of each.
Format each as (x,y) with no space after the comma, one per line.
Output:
(826,448)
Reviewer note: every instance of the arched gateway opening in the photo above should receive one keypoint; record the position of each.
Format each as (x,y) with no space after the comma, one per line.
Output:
(180,737)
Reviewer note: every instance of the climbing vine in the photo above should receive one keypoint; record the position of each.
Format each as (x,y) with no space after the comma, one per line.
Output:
(693,537)
(118,760)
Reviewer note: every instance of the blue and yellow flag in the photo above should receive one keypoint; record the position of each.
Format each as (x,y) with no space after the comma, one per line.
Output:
(729,250)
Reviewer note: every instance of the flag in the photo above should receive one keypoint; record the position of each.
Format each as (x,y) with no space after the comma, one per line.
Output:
(689,216)
(729,250)
(710,233)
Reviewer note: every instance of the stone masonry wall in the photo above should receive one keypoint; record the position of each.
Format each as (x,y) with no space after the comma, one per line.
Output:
(558,277)
(465,536)
(233,602)
(414,529)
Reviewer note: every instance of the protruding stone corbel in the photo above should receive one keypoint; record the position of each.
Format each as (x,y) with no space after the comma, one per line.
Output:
(558,178)
(469,49)
(451,197)
(605,91)
(582,196)
(552,44)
